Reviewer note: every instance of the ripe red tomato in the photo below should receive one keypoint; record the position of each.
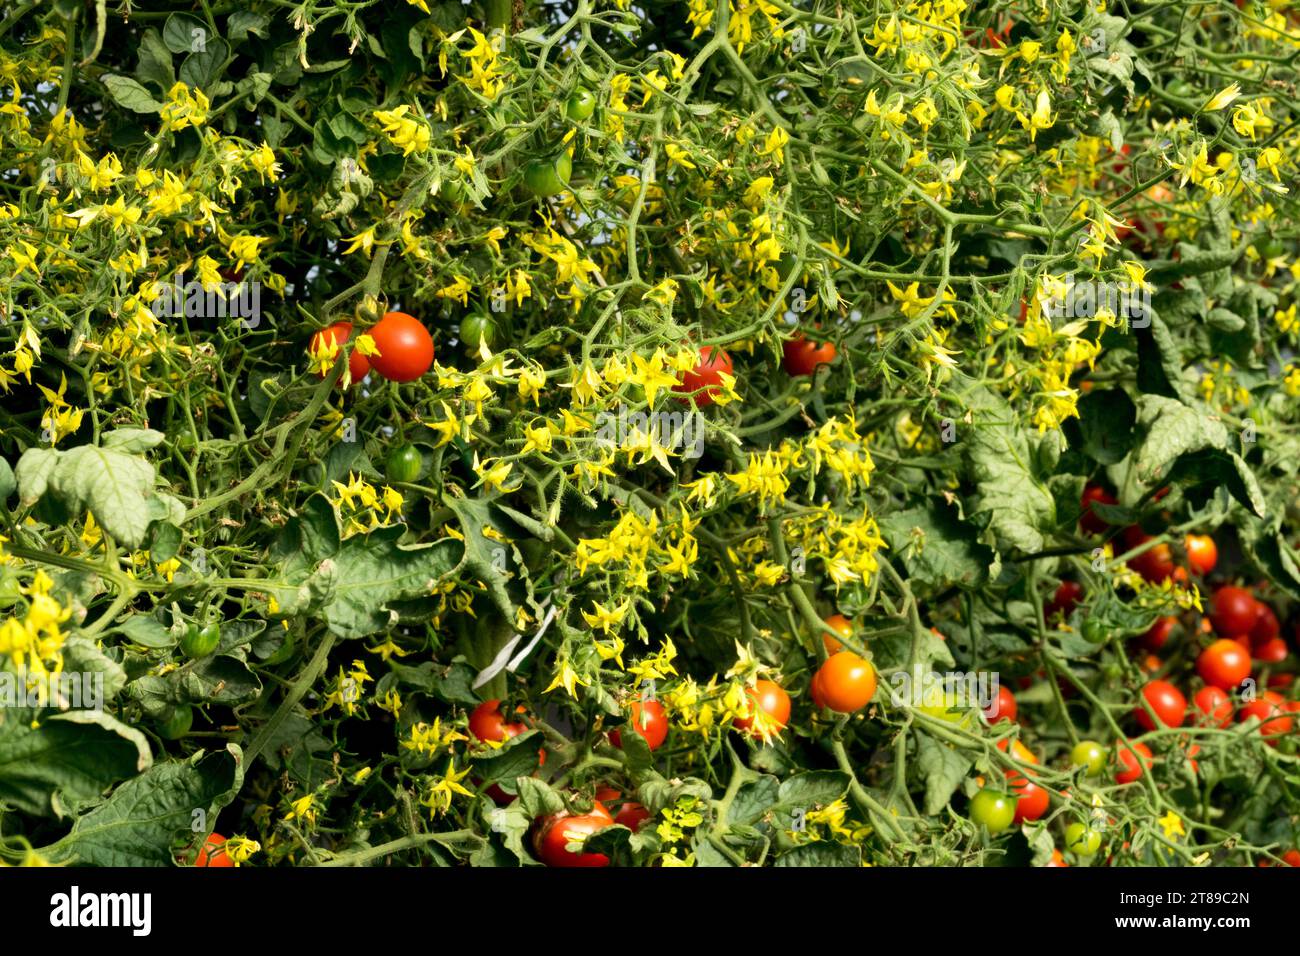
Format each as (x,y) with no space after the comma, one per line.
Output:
(1270,709)
(1202,553)
(1271,652)
(1214,707)
(336,335)
(1291,857)
(1004,708)
(1065,600)
(650,721)
(801,357)
(556,832)
(841,624)
(632,815)
(1157,634)
(1032,800)
(217,857)
(1266,627)
(488,723)
(1224,664)
(815,691)
(772,700)
(1233,611)
(706,375)
(1133,764)
(1089,521)
(405,347)
(848,682)
(1154,564)
(1166,700)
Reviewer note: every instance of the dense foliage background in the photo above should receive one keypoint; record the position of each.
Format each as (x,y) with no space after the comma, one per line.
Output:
(574,198)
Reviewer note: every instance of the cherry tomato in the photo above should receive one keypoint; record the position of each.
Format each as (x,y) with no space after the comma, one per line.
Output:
(1089,521)
(1166,700)
(1154,564)
(178,723)
(1213,707)
(1019,751)
(548,177)
(650,721)
(1157,634)
(200,640)
(772,700)
(405,347)
(1224,664)
(403,463)
(580,106)
(217,856)
(1266,627)
(1089,754)
(1133,764)
(1291,857)
(1004,708)
(632,815)
(992,809)
(1082,840)
(558,831)
(1202,553)
(847,681)
(1233,611)
(1032,800)
(476,329)
(1271,652)
(336,335)
(801,357)
(706,375)
(843,626)
(488,723)
(815,691)
(1269,709)
(1058,860)
(1065,600)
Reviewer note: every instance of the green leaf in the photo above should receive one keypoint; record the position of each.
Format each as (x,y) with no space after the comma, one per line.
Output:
(1168,430)
(243,22)
(1106,420)
(8,483)
(82,656)
(821,853)
(33,473)
(753,800)
(145,816)
(1019,509)
(114,486)
(69,757)
(128,93)
(813,789)
(131,441)
(155,63)
(183,33)
(938,548)
(145,630)
(203,68)
(942,767)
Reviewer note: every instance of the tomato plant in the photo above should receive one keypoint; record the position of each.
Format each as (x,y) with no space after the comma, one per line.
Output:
(816,369)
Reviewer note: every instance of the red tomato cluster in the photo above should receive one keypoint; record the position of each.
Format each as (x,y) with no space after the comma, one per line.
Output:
(405,348)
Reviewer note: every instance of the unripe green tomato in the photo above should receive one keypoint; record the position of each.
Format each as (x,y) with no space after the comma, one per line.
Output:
(1268,248)
(178,723)
(1089,754)
(1082,840)
(1094,632)
(476,328)
(994,810)
(453,190)
(404,463)
(548,177)
(1181,89)
(582,103)
(200,641)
